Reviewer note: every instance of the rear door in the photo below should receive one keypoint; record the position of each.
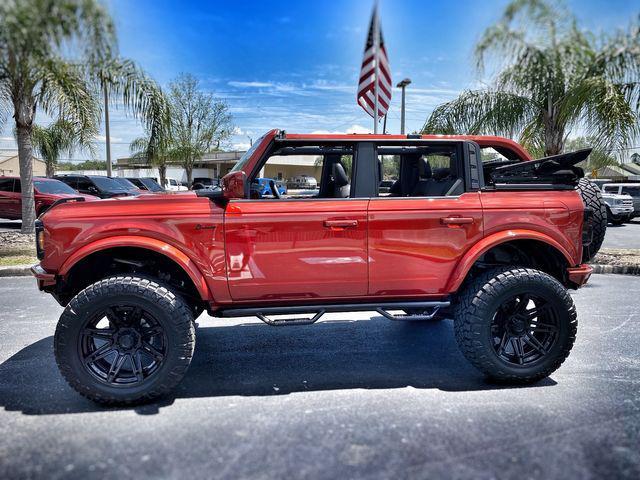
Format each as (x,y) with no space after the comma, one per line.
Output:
(308,244)
(15,202)
(419,230)
(6,197)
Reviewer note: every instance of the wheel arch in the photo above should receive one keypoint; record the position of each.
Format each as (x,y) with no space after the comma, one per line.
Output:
(535,250)
(141,248)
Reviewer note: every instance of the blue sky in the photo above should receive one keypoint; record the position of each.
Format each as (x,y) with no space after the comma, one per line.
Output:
(294,65)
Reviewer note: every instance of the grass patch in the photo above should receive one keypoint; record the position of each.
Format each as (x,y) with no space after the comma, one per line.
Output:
(13,260)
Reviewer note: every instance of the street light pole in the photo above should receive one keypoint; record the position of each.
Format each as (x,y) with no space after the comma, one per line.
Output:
(403,85)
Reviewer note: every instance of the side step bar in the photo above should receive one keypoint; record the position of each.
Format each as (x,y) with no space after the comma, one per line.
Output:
(428,311)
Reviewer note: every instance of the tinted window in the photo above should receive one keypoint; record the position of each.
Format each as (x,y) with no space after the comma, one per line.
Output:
(151,184)
(633,191)
(84,185)
(71,181)
(126,184)
(106,183)
(6,184)
(611,189)
(53,186)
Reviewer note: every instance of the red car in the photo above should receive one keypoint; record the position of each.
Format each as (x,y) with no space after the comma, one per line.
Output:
(469,228)
(47,191)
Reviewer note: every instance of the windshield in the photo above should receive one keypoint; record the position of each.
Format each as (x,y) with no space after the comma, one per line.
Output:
(151,184)
(247,155)
(53,186)
(124,183)
(108,184)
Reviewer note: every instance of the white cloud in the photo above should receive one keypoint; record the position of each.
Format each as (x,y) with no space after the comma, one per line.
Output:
(238,84)
(241,146)
(103,138)
(355,128)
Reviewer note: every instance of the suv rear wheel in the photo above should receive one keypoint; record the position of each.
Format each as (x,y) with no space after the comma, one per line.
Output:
(515,324)
(124,340)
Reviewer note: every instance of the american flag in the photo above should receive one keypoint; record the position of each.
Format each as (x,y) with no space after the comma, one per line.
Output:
(375,74)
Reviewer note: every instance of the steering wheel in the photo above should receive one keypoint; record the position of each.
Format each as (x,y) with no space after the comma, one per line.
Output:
(274,189)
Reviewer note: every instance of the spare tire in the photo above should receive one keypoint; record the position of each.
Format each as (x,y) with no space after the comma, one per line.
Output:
(592,199)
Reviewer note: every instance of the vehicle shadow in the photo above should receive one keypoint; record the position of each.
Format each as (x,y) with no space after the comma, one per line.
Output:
(257,360)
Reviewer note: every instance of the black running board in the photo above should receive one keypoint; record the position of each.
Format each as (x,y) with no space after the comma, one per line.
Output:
(428,311)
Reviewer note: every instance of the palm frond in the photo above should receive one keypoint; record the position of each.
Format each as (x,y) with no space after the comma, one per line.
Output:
(482,112)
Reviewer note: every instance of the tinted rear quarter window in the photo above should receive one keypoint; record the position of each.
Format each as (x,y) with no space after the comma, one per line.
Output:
(6,184)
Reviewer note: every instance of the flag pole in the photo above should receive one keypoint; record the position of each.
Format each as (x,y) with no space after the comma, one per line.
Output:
(376,46)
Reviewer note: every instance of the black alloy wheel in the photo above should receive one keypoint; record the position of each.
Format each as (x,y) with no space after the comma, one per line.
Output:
(515,324)
(122,345)
(125,340)
(524,329)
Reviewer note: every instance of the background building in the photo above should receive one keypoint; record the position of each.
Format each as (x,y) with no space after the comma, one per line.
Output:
(10,165)
(218,164)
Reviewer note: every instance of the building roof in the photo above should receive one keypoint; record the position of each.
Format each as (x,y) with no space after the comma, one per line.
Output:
(632,168)
(6,155)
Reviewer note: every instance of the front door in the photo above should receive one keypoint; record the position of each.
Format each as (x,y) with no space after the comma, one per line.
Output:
(296,249)
(310,242)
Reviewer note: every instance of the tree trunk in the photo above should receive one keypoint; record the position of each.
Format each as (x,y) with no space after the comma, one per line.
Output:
(162,170)
(25,156)
(188,167)
(51,169)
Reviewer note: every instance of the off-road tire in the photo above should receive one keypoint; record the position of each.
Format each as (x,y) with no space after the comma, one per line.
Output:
(169,309)
(478,302)
(592,199)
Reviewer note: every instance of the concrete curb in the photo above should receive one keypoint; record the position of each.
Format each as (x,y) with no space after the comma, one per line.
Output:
(16,271)
(617,269)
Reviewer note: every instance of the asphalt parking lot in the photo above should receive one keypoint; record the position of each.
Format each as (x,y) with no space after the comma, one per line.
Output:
(623,236)
(351,396)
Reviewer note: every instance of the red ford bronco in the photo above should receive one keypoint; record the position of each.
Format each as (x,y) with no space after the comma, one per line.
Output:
(466,227)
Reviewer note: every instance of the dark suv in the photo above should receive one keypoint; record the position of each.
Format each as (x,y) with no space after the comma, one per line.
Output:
(100,186)
(146,183)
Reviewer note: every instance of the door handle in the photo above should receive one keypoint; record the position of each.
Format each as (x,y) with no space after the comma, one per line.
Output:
(340,223)
(456,220)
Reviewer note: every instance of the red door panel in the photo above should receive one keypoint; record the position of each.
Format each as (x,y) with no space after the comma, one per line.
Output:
(415,243)
(296,249)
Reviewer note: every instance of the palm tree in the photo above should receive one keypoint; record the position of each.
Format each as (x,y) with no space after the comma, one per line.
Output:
(551,78)
(34,74)
(155,145)
(119,78)
(62,135)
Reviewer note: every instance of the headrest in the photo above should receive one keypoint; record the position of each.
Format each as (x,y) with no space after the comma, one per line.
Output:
(441,173)
(339,175)
(425,168)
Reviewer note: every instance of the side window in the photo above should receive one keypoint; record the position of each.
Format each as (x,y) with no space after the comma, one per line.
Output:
(84,185)
(430,171)
(633,191)
(17,187)
(6,184)
(611,189)
(300,172)
(389,166)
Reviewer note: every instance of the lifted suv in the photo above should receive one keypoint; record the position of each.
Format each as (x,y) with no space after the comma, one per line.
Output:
(494,245)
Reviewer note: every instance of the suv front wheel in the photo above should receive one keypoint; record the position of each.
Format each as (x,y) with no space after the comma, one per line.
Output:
(515,324)
(124,340)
